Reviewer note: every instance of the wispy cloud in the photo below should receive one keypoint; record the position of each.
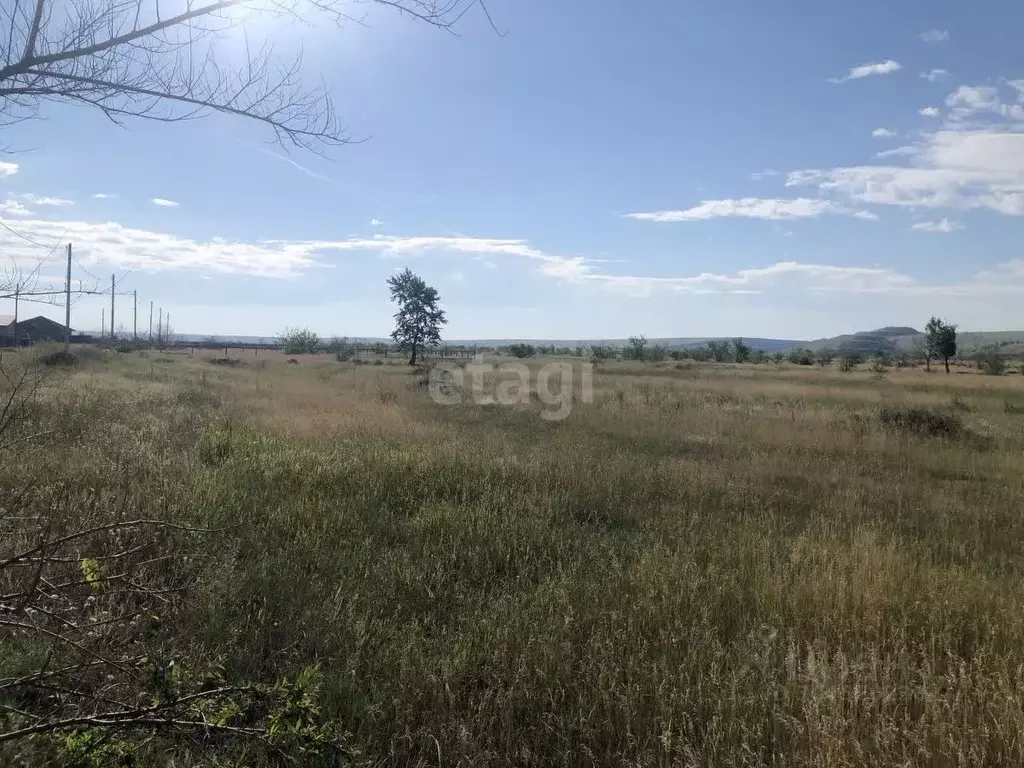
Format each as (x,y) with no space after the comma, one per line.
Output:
(32,199)
(883,133)
(8,169)
(943,226)
(748,208)
(285,159)
(867,70)
(906,151)
(164,202)
(762,175)
(935,36)
(13,208)
(929,111)
(114,245)
(375,222)
(103,196)
(935,75)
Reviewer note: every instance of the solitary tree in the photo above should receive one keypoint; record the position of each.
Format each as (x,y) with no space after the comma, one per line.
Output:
(825,357)
(418,320)
(940,338)
(139,58)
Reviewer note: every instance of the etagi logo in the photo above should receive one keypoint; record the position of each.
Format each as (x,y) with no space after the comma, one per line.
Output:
(513,383)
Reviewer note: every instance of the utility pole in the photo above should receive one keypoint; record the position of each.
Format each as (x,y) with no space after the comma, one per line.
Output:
(103,323)
(135,316)
(111,307)
(160,329)
(67,305)
(167,327)
(17,290)
(151,323)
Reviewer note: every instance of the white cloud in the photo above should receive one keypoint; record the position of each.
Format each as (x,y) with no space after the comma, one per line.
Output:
(32,199)
(935,36)
(883,133)
(934,75)
(103,196)
(866,215)
(13,208)
(375,222)
(929,112)
(943,226)
(866,70)
(7,169)
(905,151)
(748,208)
(762,175)
(970,101)
(164,202)
(956,169)
(114,245)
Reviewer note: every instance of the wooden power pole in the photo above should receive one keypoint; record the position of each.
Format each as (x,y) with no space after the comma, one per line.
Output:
(135,316)
(67,305)
(111,307)
(151,323)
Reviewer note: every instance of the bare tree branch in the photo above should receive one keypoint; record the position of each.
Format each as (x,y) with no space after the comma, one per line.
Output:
(126,58)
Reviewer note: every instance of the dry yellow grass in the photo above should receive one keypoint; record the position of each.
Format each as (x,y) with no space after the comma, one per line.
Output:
(713,565)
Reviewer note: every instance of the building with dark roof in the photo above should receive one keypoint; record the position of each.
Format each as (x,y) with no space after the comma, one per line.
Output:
(31,331)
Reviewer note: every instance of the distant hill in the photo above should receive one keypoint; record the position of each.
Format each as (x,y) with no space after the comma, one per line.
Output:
(896,340)
(889,340)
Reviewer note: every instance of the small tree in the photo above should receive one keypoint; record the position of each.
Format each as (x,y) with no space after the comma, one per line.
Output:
(418,320)
(778,357)
(522,350)
(825,357)
(740,351)
(299,341)
(940,338)
(636,348)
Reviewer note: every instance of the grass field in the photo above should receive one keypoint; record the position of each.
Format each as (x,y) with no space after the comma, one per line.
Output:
(705,565)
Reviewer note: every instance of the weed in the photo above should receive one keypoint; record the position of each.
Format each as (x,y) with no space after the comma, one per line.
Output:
(923,422)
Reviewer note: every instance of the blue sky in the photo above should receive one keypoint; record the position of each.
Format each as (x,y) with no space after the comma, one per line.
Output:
(790,169)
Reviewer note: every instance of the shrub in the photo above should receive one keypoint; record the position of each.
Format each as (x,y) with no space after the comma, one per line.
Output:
(656,354)
(959,404)
(636,349)
(801,356)
(59,358)
(849,363)
(299,341)
(991,360)
(343,349)
(1016,409)
(880,366)
(522,350)
(922,422)
(720,351)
